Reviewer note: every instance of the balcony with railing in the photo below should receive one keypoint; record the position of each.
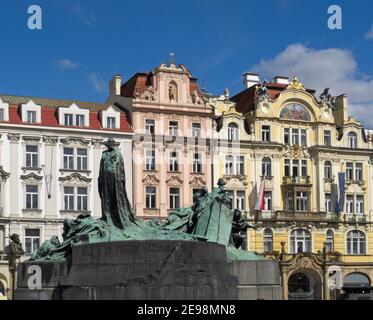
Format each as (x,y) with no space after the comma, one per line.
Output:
(352,217)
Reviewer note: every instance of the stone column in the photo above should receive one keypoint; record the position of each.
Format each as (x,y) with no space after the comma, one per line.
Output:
(284,283)
(15,200)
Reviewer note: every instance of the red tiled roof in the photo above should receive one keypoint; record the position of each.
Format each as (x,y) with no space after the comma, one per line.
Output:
(245,100)
(49,118)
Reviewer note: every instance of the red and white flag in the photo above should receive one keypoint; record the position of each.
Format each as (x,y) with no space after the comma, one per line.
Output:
(260,201)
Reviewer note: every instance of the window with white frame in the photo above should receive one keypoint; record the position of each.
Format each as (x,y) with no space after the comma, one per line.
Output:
(300,241)
(75,159)
(174,161)
(68,158)
(294,136)
(301,200)
(31,117)
(360,204)
(233,132)
(268,240)
(150,160)
(82,199)
(352,140)
(150,197)
(287,167)
(349,203)
(240,165)
(229,165)
(327,138)
(359,171)
(349,171)
(32,240)
(196,130)
(80,121)
(329,241)
(75,198)
(173,128)
(32,197)
(68,198)
(303,137)
(304,171)
(356,242)
(328,173)
(266,133)
(2,114)
(174,198)
(69,119)
(149,126)
(111,122)
(240,200)
(266,167)
(289,200)
(197,163)
(32,156)
(295,168)
(328,202)
(82,159)
(267,200)
(4,111)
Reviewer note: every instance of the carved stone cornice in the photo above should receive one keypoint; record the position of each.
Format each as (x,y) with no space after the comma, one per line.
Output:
(50,140)
(31,138)
(74,140)
(14,137)
(3,175)
(75,178)
(31,178)
(151,180)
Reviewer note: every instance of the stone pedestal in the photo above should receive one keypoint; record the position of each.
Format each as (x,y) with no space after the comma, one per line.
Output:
(152,270)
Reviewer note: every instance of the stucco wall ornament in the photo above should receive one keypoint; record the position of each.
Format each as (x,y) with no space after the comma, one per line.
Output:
(196,98)
(261,91)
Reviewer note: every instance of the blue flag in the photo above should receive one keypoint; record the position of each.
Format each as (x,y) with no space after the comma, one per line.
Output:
(341,188)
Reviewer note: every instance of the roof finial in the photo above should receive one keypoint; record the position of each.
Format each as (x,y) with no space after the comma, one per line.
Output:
(172,58)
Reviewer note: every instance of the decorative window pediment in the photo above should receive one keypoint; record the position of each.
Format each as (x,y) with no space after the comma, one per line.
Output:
(150,180)
(75,178)
(295,111)
(110,118)
(197,182)
(31,178)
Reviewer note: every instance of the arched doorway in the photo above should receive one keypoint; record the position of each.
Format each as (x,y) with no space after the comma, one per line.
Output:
(304,285)
(356,282)
(2,291)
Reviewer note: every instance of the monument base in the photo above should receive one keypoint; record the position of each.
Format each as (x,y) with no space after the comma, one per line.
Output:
(151,270)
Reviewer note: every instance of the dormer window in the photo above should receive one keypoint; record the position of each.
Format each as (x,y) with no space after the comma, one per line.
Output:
(110,118)
(31,112)
(1,114)
(73,116)
(233,132)
(352,140)
(4,111)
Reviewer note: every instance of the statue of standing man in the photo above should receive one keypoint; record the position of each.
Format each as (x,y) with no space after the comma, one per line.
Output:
(116,208)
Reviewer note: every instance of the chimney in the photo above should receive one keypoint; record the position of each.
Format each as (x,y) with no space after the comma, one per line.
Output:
(250,79)
(281,80)
(115,84)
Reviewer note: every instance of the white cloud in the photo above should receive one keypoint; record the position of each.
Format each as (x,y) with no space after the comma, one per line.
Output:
(369,34)
(331,68)
(65,64)
(98,84)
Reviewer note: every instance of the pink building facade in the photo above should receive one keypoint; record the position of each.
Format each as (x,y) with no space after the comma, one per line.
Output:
(172,123)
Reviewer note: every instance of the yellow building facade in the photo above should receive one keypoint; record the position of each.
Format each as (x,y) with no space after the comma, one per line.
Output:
(297,144)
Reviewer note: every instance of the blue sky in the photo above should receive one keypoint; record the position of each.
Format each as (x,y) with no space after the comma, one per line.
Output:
(83,43)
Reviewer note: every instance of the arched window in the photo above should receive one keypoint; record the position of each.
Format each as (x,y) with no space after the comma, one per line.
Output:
(352,140)
(266,167)
(233,132)
(329,240)
(356,280)
(356,242)
(268,240)
(328,172)
(300,241)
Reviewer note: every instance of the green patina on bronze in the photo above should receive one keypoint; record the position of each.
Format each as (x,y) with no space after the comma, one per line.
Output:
(209,219)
